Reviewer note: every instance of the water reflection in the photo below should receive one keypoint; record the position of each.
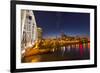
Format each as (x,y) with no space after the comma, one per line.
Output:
(68,52)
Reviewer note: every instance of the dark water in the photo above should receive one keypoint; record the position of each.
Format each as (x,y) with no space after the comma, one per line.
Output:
(72,54)
(61,55)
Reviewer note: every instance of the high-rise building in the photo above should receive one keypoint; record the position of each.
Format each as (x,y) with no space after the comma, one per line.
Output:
(39,33)
(28,28)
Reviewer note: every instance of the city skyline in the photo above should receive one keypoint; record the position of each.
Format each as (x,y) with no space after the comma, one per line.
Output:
(70,23)
(45,34)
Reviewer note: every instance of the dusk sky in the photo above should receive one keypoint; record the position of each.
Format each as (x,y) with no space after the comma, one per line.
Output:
(55,23)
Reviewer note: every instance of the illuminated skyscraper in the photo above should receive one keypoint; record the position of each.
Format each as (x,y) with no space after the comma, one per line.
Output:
(39,33)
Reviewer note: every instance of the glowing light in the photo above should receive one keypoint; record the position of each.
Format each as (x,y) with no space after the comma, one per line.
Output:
(81,49)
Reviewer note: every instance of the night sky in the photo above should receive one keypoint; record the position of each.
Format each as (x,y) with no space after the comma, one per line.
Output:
(70,23)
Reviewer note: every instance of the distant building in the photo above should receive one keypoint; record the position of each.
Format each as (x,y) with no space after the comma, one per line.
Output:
(39,33)
(28,28)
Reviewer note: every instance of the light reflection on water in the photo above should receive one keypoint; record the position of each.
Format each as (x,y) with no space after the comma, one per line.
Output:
(69,52)
(60,55)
